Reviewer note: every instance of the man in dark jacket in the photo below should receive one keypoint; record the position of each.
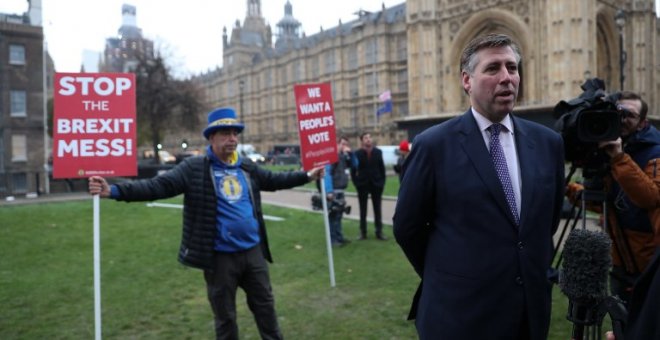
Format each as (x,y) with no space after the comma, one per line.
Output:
(368,173)
(224,232)
(478,205)
(643,317)
(336,181)
(633,199)
(634,194)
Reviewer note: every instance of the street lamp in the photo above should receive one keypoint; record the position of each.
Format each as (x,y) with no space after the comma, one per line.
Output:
(241,85)
(620,20)
(354,113)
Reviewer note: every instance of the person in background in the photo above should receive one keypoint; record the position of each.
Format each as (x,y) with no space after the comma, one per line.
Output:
(633,194)
(336,181)
(224,233)
(404,149)
(478,206)
(368,174)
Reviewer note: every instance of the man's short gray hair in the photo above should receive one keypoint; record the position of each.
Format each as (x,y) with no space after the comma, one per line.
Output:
(469,58)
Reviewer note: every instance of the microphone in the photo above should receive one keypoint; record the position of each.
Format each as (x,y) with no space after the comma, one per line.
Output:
(586,266)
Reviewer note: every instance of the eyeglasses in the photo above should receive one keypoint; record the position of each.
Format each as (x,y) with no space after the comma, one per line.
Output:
(626,113)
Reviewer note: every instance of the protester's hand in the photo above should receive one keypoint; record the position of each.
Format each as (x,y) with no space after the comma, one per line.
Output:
(316,173)
(98,186)
(612,147)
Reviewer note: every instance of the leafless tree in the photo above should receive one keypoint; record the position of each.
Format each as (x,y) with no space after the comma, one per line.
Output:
(164,101)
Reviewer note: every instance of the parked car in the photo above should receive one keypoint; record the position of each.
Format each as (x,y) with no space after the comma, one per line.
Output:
(286,159)
(286,154)
(390,154)
(148,166)
(256,157)
(185,154)
(164,156)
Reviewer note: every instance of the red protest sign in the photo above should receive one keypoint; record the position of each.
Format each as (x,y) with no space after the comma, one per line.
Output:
(316,124)
(94,129)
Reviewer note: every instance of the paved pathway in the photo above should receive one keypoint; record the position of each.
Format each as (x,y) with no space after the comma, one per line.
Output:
(301,199)
(296,199)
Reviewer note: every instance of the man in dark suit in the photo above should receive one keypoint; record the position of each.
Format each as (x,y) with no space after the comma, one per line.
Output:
(478,206)
(368,174)
(643,317)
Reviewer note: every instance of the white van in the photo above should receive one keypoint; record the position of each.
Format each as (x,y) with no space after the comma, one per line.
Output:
(390,154)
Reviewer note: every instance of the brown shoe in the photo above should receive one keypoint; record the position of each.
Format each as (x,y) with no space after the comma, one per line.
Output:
(362,237)
(381,237)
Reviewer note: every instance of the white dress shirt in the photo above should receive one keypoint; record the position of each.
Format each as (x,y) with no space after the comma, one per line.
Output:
(508,145)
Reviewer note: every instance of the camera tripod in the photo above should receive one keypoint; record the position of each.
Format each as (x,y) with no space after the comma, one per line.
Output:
(587,319)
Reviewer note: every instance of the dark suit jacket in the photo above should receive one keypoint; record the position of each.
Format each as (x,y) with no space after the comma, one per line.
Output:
(479,270)
(368,170)
(643,316)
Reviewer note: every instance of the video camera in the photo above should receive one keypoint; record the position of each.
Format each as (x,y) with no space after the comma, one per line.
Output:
(336,205)
(587,120)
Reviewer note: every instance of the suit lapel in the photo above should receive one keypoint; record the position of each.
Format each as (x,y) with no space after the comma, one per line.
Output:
(526,159)
(472,142)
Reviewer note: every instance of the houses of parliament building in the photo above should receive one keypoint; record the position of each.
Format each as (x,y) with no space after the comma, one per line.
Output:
(413,50)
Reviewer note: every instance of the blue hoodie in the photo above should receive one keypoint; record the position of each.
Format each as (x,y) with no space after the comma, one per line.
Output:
(238,229)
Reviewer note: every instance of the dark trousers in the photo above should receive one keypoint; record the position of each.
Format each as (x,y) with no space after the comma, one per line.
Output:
(334,219)
(249,271)
(376,200)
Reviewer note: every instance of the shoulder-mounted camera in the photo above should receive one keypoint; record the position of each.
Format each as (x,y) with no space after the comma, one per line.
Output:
(587,120)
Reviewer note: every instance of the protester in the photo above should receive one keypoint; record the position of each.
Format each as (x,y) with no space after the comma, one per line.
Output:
(404,149)
(224,232)
(368,174)
(478,206)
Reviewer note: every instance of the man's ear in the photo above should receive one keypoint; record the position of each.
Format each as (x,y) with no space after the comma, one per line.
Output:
(465,78)
(643,124)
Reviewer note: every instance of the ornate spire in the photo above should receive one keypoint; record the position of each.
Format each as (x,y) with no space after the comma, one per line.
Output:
(254,8)
(289,27)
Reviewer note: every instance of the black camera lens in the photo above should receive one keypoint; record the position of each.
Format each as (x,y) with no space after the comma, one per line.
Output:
(598,125)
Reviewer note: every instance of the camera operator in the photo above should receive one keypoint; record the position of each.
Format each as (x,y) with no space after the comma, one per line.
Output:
(633,194)
(336,181)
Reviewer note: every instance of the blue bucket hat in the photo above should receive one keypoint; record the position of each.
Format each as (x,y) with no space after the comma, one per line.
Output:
(222,118)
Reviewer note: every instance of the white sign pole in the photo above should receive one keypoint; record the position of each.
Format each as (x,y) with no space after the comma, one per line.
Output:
(328,239)
(97,267)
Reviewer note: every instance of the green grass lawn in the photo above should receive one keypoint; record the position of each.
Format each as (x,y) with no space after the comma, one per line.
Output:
(46,278)
(391,183)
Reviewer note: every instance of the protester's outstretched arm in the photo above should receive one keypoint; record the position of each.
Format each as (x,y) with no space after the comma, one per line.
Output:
(99,186)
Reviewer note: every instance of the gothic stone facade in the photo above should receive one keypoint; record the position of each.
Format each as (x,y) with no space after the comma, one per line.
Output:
(413,49)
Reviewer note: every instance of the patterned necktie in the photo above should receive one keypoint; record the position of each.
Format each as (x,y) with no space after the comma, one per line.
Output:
(499,160)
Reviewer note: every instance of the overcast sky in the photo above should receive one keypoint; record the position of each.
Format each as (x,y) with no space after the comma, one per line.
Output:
(190,31)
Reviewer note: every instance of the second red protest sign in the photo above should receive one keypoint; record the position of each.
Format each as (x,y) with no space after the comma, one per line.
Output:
(316,124)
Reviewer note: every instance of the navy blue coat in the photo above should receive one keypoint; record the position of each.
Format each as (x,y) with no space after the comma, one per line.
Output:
(479,271)
(643,316)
